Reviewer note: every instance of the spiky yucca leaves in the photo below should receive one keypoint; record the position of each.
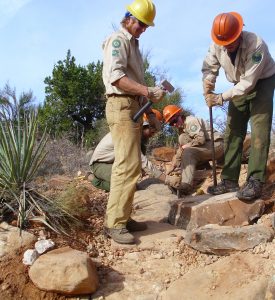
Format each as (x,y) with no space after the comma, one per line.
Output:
(20,157)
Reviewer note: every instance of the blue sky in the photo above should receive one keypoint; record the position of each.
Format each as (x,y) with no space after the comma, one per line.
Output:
(35,34)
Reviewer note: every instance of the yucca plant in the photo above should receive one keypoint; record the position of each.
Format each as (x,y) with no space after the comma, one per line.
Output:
(21,154)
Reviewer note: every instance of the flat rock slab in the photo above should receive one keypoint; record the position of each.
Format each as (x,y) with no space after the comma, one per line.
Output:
(225,210)
(223,240)
(241,276)
(149,238)
(152,202)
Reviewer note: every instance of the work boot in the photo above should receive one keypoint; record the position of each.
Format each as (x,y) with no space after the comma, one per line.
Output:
(121,235)
(225,186)
(184,190)
(252,189)
(172,189)
(133,225)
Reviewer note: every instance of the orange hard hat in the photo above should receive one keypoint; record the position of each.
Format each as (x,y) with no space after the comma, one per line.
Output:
(157,114)
(169,111)
(226,28)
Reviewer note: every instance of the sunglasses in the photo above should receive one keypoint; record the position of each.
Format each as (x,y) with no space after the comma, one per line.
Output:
(173,121)
(141,24)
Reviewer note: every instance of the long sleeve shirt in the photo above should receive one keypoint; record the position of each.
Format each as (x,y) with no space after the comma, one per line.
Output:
(253,62)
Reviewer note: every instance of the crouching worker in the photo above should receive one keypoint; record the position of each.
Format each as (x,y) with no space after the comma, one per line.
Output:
(194,148)
(103,156)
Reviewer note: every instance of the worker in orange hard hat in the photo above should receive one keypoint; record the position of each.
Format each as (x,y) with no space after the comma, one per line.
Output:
(247,63)
(194,148)
(126,92)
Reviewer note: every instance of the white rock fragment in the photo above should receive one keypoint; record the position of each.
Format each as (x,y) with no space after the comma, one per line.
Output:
(30,257)
(43,245)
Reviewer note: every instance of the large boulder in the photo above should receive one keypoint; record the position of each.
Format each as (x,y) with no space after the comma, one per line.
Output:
(65,271)
(224,210)
(11,239)
(223,240)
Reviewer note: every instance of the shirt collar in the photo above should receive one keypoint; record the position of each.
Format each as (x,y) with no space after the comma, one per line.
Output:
(126,33)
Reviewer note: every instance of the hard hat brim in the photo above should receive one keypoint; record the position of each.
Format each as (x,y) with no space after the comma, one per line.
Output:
(235,37)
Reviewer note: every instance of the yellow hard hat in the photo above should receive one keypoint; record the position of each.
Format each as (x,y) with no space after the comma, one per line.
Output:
(143,10)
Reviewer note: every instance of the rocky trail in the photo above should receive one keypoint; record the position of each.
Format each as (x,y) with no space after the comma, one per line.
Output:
(232,259)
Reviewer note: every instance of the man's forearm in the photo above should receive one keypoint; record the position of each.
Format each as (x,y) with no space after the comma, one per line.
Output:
(130,86)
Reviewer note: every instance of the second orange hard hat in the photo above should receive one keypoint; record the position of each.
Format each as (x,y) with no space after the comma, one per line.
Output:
(226,28)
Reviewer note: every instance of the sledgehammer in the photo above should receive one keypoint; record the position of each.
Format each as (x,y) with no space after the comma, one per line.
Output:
(165,85)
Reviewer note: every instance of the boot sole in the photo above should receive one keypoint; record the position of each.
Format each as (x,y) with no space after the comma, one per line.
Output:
(223,192)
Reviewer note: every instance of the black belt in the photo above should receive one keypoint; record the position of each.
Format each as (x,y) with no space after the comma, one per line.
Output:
(123,95)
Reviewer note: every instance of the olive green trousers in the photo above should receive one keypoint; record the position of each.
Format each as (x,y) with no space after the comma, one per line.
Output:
(257,107)
(102,175)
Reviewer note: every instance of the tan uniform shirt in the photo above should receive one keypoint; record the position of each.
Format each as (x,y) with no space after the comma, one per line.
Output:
(253,62)
(121,58)
(104,152)
(199,131)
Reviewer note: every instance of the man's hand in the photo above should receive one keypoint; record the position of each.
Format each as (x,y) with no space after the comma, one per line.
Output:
(154,123)
(208,87)
(213,99)
(156,94)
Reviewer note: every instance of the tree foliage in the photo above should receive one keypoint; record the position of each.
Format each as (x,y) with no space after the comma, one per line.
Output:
(74,96)
(12,107)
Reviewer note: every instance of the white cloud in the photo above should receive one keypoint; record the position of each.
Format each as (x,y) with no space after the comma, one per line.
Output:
(9,8)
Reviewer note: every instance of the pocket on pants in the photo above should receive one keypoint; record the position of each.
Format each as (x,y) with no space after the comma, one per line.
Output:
(120,109)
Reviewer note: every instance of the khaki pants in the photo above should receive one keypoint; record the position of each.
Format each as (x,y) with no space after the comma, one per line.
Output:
(194,155)
(126,136)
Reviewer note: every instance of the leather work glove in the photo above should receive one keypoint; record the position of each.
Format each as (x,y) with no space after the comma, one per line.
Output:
(156,94)
(173,180)
(213,99)
(154,123)
(176,162)
(208,87)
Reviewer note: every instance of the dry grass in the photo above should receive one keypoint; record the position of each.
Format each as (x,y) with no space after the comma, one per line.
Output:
(64,157)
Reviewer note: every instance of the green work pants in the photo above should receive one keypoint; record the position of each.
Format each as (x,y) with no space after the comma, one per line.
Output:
(256,107)
(102,172)
(126,136)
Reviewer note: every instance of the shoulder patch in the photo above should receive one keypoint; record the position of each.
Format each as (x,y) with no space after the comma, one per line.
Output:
(257,57)
(116,43)
(115,52)
(194,128)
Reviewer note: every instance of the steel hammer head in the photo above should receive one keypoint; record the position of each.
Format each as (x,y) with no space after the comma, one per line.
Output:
(166,85)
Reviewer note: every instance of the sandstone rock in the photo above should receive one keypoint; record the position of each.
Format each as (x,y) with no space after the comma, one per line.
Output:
(235,277)
(11,241)
(223,240)
(224,210)
(66,271)
(164,153)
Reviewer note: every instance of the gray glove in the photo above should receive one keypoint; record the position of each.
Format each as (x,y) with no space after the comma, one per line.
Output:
(213,99)
(156,94)
(208,87)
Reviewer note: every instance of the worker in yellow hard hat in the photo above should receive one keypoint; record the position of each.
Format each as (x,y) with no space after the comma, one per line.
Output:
(194,148)
(126,92)
(248,65)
